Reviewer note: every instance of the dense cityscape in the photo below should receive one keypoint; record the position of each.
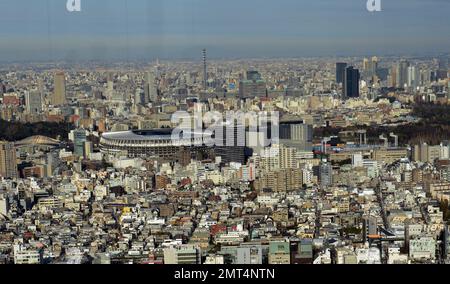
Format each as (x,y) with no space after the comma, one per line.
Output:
(356,171)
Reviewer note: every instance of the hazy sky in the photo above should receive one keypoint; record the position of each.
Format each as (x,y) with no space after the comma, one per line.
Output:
(130,29)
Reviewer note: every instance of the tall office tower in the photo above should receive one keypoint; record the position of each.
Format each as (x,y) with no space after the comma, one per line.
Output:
(374,64)
(340,72)
(392,77)
(425,76)
(151,88)
(326,174)
(253,86)
(139,97)
(373,67)
(296,134)
(370,68)
(448,90)
(413,77)
(366,64)
(402,74)
(8,163)
(79,138)
(109,89)
(351,83)
(205,72)
(33,102)
(447,242)
(88,149)
(398,82)
(59,92)
(442,72)
(234,142)
(443,63)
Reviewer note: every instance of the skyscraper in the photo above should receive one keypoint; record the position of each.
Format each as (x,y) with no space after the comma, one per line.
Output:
(33,102)
(448,90)
(110,89)
(402,74)
(340,72)
(79,138)
(326,174)
(205,71)
(413,77)
(371,68)
(366,64)
(443,63)
(443,67)
(351,83)
(8,163)
(59,93)
(151,89)
(88,149)
(392,77)
(232,147)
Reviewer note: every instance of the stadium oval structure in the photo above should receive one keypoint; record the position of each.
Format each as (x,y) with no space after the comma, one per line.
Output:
(155,142)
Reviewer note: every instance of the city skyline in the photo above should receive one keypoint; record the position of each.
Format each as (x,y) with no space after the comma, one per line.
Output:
(180,29)
(253,132)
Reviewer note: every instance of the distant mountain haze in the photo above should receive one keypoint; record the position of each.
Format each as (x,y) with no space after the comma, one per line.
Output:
(135,29)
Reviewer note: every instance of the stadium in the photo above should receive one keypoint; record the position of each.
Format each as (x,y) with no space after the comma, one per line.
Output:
(153,143)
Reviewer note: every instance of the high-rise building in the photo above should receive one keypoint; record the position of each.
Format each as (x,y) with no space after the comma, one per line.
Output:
(413,77)
(110,88)
(373,65)
(151,88)
(232,147)
(282,180)
(392,77)
(448,90)
(443,68)
(296,134)
(326,174)
(88,149)
(253,87)
(370,68)
(205,71)
(447,242)
(443,63)
(429,153)
(8,163)
(33,102)
(59,92)
(79,138)
(351,83)
(402,73)
(340,72)
(4,205)
(366,64)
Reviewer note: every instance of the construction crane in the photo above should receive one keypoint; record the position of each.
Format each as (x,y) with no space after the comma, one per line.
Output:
(324,144)
(395,139)
(382,137)
(362,137)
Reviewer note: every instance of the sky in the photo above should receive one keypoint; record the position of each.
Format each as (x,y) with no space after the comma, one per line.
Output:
(175,29)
